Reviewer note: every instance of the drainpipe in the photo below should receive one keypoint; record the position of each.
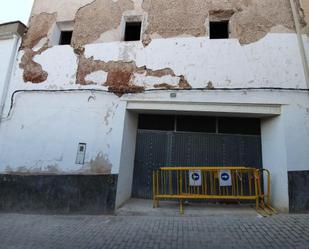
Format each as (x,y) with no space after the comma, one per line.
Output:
(8,73)
(300,42)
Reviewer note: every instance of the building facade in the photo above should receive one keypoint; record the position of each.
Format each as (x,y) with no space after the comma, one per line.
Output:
(102,92)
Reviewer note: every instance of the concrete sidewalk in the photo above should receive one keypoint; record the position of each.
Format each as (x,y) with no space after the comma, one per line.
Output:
(71,231)
(144,207)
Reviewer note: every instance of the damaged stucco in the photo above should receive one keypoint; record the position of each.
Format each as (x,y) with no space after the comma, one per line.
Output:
(103,20)
(303,12)
(33,71)
(66,10)
(250,20)
(101,16)
(121,75)
(39,27)
(305,6)
(253,21)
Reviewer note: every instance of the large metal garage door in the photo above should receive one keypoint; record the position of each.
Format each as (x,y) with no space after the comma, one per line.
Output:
(234,142)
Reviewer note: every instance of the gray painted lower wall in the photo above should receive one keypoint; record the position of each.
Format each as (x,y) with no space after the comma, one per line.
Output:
(89,194)
(299,191)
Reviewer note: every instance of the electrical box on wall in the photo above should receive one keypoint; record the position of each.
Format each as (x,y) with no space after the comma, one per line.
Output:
(81,151)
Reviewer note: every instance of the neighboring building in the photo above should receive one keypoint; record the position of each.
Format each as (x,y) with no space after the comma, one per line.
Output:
(105,91)
(10,40)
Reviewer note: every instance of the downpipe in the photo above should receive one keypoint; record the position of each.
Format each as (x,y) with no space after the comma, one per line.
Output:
(8,76)
(300,42)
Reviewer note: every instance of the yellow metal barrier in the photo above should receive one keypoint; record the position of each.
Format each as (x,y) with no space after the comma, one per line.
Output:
(211,183)
(264,198)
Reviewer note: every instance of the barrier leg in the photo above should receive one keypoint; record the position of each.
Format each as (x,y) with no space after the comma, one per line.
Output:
(181,206)
(153,190)
(257,196)
(155,202)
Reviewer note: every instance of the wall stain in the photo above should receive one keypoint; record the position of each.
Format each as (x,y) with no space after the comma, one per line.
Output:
(99,165)
(210,85)
(108,114)
(23,170)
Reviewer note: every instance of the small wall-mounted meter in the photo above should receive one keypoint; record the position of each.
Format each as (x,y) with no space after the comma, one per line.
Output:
(81,151)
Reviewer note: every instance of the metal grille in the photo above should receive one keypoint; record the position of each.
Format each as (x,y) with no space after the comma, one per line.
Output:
(156,149)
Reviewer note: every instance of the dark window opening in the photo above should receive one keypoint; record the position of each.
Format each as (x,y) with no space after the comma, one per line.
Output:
(196,124)
(247,126)
(133,31)
(156,122)
(205,124)
(65,37)
(219,30)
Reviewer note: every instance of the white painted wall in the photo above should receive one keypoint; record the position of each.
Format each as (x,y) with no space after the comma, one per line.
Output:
(43,129)
(296,126)
(273,61)
(274,153)
(125,178)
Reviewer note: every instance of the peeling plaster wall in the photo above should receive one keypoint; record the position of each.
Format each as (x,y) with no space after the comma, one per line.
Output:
(65,9)
(39,27)
(273,61)
(250,20)
(197,60)
(101,16)
(44,130)
(305,6)
(167,63)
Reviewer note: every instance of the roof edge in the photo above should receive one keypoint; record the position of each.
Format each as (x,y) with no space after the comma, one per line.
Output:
(13,28)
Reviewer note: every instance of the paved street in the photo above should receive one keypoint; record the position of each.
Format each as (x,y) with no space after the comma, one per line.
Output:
(57,231)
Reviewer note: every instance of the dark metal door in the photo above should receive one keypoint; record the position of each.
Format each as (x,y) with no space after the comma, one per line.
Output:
(155,149)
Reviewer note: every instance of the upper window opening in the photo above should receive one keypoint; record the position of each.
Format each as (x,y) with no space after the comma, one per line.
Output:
(133,31)
(65,37)
(219,30)
(196,124)
(156,122)
(248,126)
(205,124)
